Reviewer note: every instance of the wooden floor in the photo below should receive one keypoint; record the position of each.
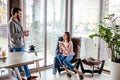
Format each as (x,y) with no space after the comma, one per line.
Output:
(47,75)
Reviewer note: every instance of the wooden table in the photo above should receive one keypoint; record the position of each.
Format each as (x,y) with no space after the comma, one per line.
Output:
(16,59)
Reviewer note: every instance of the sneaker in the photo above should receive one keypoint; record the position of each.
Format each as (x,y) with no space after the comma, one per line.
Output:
(32,77)
(23,79)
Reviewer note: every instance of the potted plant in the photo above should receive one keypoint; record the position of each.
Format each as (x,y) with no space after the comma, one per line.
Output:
(111,35)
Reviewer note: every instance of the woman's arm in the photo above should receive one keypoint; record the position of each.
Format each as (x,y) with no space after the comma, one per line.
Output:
(61,47)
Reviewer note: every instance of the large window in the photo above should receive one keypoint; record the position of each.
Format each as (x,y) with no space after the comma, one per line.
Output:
(35,24)
(85,22)
(44,36)
(55,26)
(3,27)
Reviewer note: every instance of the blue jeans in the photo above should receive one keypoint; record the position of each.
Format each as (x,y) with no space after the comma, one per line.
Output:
(65,60)
(26,69)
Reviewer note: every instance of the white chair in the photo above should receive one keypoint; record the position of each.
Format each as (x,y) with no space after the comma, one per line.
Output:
(7,74)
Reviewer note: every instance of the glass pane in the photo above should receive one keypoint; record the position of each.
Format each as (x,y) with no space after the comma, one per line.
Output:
(35,25)
(114,7)
(105,54)
(3,26)
(85,22)
(55,26)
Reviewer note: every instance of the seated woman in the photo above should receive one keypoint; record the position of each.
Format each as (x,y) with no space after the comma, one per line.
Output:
(67,54)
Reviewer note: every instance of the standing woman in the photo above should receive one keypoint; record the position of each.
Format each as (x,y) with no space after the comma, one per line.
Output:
(66,48)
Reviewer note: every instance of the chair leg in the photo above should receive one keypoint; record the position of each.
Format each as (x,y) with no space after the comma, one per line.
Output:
(93,71)
(82,68)
(58,68)
(102,66)
(77,64)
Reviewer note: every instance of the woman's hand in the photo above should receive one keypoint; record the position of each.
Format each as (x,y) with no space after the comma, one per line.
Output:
(62,46)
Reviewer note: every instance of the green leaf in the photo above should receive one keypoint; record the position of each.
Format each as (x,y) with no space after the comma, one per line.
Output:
(94,35)
(118,51)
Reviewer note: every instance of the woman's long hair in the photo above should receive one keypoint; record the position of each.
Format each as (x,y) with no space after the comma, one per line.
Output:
(69,36)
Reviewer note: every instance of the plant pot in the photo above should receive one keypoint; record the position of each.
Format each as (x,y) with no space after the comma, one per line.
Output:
(115,70)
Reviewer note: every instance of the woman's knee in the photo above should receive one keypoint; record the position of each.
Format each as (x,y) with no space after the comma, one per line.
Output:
(65,62)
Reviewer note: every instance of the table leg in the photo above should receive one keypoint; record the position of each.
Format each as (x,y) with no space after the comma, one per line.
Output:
(37,65)
(18,73)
